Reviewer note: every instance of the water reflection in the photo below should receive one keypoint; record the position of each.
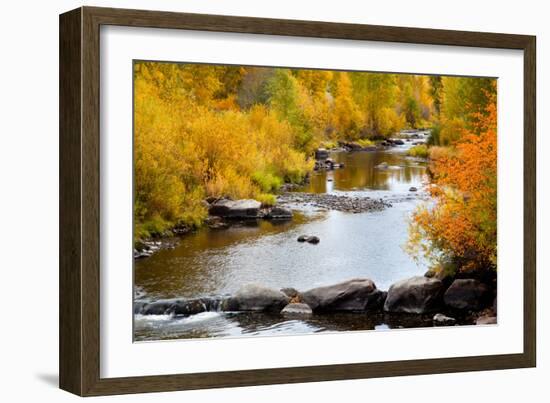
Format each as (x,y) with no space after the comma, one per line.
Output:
(213,324)
(360,172)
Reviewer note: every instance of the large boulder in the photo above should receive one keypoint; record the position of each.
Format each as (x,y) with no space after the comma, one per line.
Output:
(467,294)
(245,208)
(351,295)
(254,297)
(415,295)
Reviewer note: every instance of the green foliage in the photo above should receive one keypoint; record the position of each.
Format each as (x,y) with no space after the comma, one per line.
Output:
(267,182)
(365,143)
(418,151)
(461,99)
(284,98)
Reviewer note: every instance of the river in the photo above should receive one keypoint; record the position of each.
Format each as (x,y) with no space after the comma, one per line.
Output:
(218,262)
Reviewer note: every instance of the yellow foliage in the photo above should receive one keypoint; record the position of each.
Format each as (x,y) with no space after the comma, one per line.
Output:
(189,145)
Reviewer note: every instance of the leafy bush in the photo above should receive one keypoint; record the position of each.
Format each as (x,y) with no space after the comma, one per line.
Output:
(418,151)
(365,142)
(462,224)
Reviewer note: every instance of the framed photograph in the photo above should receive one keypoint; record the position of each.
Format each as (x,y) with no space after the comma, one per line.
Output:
(249,201)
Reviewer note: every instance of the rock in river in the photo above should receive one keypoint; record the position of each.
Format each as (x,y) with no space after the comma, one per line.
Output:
(313,239)
(442,320)
(415,295)
(278,213)
(297,309)
(467,294)
(352,295)
(310,239)
(321,154)
(254,297)
(245,208)
(177,306)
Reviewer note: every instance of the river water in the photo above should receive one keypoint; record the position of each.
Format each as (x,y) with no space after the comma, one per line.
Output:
(218,262)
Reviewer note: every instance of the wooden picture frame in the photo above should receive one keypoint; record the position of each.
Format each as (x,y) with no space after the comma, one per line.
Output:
(79,346)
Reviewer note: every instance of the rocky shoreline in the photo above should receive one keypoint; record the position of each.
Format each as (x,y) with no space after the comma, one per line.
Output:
(328,201)
(226,212)
(469,299)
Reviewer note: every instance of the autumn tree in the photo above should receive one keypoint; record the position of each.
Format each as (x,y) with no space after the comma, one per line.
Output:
(461,227)
(376,94)
(346,117)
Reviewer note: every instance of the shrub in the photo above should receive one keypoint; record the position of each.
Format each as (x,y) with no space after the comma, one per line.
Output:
(365,142)
(418,151)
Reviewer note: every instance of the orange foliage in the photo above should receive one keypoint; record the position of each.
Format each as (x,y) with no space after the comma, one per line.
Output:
(462,224)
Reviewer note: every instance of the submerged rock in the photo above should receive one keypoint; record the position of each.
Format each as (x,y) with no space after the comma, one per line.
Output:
(215,222)
(303,238)
(254,297)
(351,295)
(415,295)
(245,208)
(467,294)
(297,309)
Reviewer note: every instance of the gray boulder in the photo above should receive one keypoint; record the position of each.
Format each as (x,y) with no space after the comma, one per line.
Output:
(245,208)
(278,213)
(297,309)
(351,295)
(468,294)
(415,295)
(254,297)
